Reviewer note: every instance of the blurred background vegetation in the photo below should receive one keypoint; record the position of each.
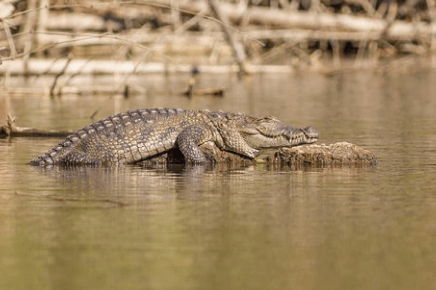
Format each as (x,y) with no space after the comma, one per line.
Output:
(75,36)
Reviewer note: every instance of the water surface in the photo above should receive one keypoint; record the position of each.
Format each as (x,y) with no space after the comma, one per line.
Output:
(243,228)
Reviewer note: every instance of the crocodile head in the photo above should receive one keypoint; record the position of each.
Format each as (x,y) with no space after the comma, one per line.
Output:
(269,132)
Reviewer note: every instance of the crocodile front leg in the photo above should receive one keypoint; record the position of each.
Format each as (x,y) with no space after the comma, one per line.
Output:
(233,141)
(188,141)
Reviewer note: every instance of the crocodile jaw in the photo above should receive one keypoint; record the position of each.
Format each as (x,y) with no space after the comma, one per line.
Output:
(280,136)
(302,136)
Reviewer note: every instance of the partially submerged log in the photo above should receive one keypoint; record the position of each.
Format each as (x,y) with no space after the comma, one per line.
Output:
(337,154)
(12,130)
(217,92)
(191,91)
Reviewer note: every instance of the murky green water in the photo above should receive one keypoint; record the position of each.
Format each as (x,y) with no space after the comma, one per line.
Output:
(251,228)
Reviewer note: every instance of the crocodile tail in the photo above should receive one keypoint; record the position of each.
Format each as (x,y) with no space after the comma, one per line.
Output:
(42,160)
(51,157)
(47,158)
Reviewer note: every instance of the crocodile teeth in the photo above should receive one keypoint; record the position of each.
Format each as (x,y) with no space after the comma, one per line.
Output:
(295,139)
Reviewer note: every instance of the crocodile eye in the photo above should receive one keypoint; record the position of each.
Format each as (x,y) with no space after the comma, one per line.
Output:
(266,130)
(262,127)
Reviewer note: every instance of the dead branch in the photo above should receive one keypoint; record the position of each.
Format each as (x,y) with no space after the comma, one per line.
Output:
(318,21)
(10,39)
(12,130)
(186,28)
(37,66)
(237,47)
(58,75)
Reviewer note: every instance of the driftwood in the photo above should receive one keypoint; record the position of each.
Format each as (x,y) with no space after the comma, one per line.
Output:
(159,36)
(191,91)
(310,21)
(38,66)
(318,21)
(12,130)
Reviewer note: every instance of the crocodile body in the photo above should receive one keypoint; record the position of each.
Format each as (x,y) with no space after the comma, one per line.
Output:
(136,135)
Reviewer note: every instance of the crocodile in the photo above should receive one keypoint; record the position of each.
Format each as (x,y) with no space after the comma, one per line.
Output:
(137,135)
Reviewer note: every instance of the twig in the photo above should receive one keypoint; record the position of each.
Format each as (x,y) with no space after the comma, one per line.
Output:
(432,12)
(48,69)
(10,39)
(28,11)
(79,71)
(94,113)
(86,36)
(189,23)
(92,5)
(193,12)
(143,58)
(365,4)
(53,86)
(381,11)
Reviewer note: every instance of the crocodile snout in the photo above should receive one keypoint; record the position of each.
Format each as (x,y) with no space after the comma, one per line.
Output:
(310,132)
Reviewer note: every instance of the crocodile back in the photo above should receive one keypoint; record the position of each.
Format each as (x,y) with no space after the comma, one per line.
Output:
(122,138)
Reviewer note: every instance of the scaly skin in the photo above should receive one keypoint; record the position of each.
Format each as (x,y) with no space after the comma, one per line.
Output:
(140,134)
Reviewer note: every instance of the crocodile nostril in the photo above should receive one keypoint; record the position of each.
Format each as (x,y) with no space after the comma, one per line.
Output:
(310,132)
